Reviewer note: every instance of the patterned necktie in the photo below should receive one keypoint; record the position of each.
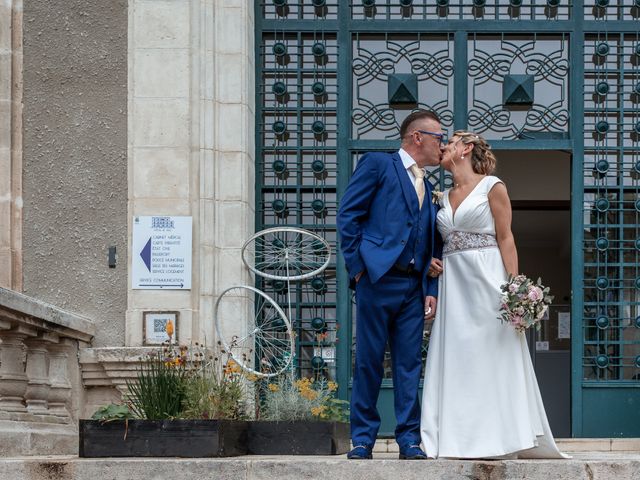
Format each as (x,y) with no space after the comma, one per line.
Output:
(419,185)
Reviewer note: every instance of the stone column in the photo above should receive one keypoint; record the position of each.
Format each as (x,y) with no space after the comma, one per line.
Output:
(13,379)
(38,385)
(60,390)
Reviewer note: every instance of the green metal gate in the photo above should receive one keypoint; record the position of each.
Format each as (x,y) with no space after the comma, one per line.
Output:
(336,78)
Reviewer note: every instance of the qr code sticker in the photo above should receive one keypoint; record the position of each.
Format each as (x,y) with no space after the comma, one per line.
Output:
(159,325)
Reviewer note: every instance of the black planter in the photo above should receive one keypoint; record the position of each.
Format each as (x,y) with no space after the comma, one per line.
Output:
(163,438)
(298,438)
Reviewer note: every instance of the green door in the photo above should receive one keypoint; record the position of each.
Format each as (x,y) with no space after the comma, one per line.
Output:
(336,78)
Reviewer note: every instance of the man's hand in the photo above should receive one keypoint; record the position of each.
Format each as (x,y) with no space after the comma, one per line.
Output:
(435,268)
(358,275)
(430,307)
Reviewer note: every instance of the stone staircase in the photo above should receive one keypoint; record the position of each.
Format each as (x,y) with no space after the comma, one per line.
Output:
(385,466)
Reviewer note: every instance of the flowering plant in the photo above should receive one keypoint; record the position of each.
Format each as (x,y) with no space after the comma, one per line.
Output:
(524,302)
(188,382)
(302,399)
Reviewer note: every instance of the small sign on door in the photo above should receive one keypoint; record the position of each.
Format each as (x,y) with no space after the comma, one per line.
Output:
(542,346)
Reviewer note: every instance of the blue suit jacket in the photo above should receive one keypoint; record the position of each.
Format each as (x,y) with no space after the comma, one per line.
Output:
(376,215)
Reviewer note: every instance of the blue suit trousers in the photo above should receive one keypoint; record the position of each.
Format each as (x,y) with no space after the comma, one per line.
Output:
(388,311)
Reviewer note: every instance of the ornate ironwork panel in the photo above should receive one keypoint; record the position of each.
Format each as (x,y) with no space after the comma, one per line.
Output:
(335,79)
(603,10)
(376,58)
(460,9)
(495,59)
(611,321)
(297,172)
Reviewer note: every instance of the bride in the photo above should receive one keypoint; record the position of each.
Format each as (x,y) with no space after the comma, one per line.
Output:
(481,397)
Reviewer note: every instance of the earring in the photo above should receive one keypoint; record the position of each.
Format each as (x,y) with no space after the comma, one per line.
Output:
(462,157)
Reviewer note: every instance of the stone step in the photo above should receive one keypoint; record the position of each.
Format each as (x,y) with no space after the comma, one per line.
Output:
(388,445)
(583,466)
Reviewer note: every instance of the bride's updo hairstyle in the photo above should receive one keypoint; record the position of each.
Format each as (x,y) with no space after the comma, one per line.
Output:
(483,161)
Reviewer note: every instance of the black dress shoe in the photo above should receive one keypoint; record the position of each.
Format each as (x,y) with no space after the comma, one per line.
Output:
(360,452)
(412,452)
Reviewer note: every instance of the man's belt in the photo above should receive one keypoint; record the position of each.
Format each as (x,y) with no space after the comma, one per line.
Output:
(406,269)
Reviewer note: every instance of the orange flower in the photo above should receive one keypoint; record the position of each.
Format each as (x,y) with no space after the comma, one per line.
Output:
(169,329)
(318,411)
(309,394)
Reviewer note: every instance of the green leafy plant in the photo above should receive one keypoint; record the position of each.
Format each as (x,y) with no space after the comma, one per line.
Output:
(303,399)
(112,412)
(216,391)
(190,383)
(159,389)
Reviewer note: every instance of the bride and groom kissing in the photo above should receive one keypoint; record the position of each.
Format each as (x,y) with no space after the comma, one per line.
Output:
(415,256)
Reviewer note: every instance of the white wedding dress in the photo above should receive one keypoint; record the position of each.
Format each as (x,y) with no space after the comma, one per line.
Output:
(481,397)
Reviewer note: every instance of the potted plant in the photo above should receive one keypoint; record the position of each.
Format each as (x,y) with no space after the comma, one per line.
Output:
(182,404)
(299,417)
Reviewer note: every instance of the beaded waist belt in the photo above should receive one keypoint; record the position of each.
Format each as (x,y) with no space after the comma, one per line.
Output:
(458,241)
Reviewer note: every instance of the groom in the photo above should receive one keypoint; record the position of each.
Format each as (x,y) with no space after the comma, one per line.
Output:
(386,224)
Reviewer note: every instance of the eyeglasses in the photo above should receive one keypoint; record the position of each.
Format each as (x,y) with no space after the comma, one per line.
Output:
(442,137)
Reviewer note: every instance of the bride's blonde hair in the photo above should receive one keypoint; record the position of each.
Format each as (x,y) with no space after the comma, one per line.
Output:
(483,161)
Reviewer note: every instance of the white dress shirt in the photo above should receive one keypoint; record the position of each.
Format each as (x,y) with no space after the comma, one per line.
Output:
(407,161)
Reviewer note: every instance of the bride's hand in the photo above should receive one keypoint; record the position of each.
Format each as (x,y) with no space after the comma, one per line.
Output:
(430,307)
(435,268)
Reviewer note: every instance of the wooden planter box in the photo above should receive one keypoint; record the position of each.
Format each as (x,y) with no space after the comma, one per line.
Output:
(298,438)
(163,438)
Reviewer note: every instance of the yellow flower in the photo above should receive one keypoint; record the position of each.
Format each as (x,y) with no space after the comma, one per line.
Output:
(303,384)
(332,386)
(309,394)
(232,367)
(318,411)
(251,377)
(273,387)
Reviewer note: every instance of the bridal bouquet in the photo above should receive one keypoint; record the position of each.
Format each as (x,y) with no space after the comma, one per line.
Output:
(524,302)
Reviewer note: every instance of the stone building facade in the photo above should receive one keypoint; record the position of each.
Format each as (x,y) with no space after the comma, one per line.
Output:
(114,110)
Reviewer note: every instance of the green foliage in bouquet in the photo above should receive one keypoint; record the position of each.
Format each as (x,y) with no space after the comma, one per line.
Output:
(304,399)
(524,302)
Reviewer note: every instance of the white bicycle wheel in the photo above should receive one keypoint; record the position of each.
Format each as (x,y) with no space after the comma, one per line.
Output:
(266,336)
(286,253)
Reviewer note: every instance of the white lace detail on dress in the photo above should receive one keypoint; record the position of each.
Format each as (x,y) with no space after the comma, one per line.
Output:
(457,241)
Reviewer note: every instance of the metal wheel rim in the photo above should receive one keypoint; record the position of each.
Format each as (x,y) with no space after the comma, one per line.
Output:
(301,231)
(227,345)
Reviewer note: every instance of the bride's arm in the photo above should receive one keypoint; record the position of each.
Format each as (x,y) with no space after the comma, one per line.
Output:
(501,210)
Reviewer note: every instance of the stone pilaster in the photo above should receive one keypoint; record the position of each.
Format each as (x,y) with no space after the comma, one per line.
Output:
(191,145)
(11,144)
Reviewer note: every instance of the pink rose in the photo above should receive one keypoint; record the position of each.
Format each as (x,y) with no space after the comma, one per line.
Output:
(535,294)
(516,319)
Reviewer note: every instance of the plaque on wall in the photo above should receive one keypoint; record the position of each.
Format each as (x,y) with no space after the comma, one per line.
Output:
(158,325)
(161,248)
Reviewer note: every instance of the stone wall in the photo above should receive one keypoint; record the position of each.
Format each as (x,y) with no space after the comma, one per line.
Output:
(75,158)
